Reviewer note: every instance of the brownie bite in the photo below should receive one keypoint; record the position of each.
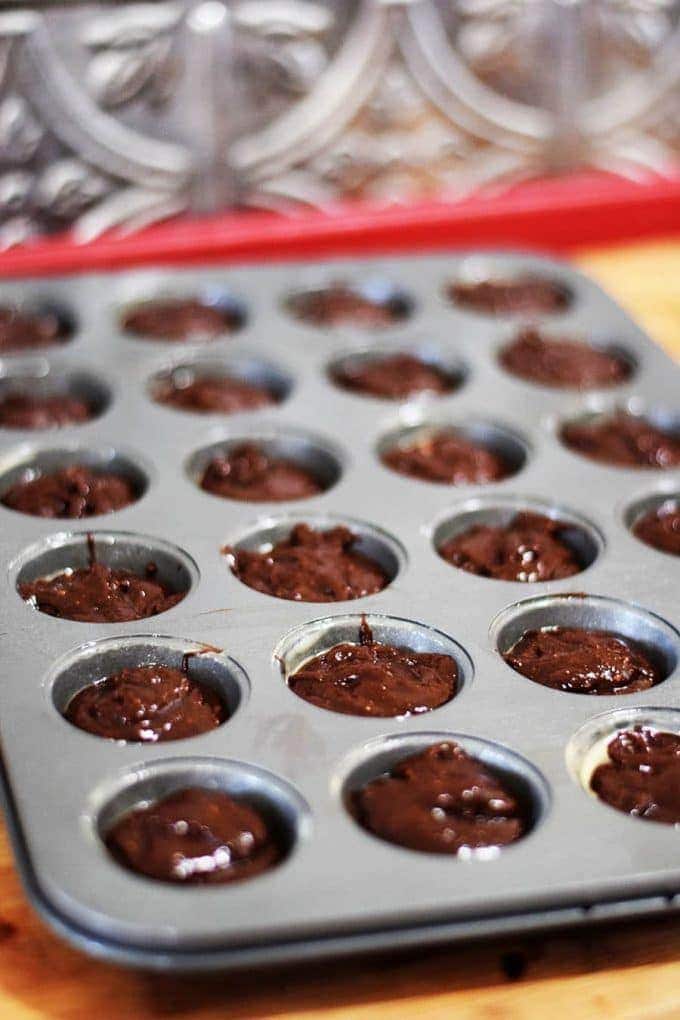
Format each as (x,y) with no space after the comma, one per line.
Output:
(48,411)
(250,474)
(660,527)
(563,363)
(373,679)
(447,457)
(72,492)
(177,320)
(195,836)
(311,566)
(527,294)
(393,377)
(101,594)
(211,393)
(26,330)
(582,661)
(342,305)
(147,704)
(441,801)
(623,440)
(530,548)
(641,776)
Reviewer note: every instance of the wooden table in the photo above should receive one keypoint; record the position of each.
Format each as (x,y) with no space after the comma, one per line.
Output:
(630,972)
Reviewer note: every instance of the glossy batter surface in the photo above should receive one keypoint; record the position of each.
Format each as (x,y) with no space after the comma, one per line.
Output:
(340,305)
(22,411)
(73,492)
(195,836)
(221,394)
(179,319)
(583,661)
(393,378)
(147,704)
(373,679)
(521,295)
(21,331)
(311,566)
(448,458)
(248,473)
(530,548)
(660,528)
(562,362)
(98,594)
(624,440)
(642,775)
(441,801)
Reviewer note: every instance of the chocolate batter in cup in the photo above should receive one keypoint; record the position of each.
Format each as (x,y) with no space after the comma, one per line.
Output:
(374,679)
(441,801)
(100,594)
(582,661)
(195,836)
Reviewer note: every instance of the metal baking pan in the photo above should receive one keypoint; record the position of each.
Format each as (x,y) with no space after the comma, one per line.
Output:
(339,889)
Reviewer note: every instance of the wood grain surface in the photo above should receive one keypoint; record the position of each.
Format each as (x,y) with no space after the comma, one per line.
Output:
(627,971)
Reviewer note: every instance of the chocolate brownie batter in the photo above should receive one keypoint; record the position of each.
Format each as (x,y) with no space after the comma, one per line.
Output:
(178,319)
(22,411)
(195,837)
(311,566)
(248,473)
(521,295)
(530,548)
(147,704)
(340,305)
(375,679)
(21,331)
(72,492)
(441,801)
(207,394)
(448,458)
(642,776)
(583,661)
(393,378)
(660,527)
(624,440)
(563,363)
(99,594)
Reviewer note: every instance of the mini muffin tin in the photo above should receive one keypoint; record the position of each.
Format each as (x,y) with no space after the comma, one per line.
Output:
(339,889)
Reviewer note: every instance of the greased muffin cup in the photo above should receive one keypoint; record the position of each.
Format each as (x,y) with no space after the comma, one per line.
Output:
(330,885)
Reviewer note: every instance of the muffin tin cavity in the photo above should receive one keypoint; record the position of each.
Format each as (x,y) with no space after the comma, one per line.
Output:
(37,380)
(179,317)
(519,776)
(662,501)
(587,748)
(498,440)
(118,550)
(319,636)
(488,286)
(280,805)
(27,466)
(451,371)
(581,537)
(564,359)
(371,542)
(373,304)
(319,458)
(657,638)
(640,450)
(35,325)
(96,661)
(274,381)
